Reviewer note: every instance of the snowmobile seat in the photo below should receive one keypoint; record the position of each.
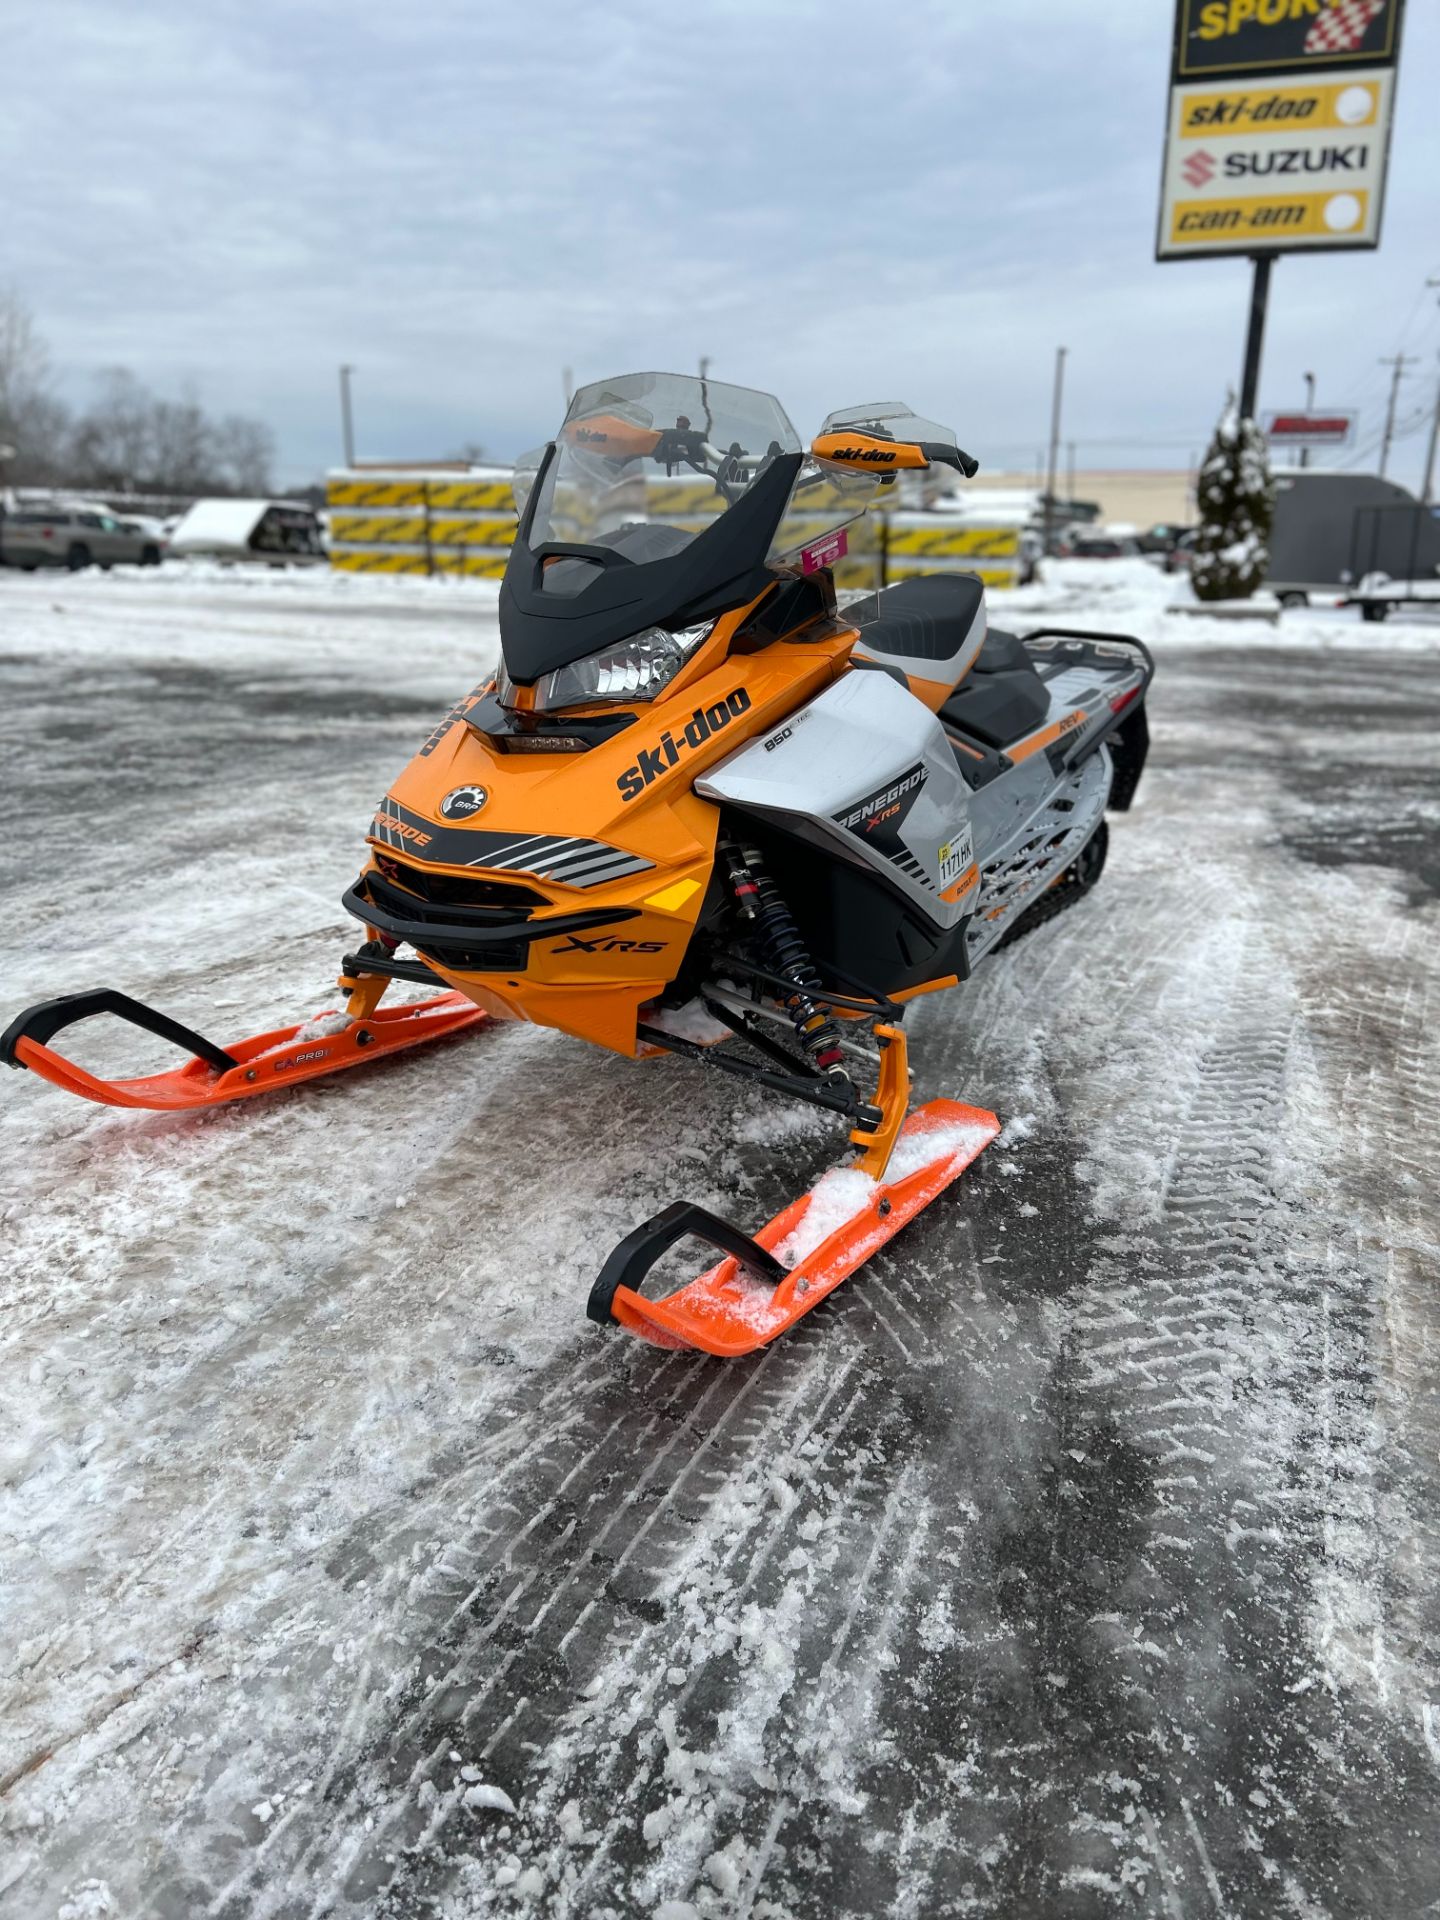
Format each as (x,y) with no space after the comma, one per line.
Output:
(928,628)
(1002,698)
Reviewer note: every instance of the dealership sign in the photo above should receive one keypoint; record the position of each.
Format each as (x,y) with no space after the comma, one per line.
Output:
(1301,429)
(1279,126)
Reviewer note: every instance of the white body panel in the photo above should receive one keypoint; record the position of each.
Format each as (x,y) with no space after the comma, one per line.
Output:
(865,769)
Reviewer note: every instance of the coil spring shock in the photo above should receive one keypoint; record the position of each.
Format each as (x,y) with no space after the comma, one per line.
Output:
(785,954)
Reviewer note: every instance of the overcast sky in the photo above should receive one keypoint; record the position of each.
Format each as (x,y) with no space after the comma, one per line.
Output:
(840,201)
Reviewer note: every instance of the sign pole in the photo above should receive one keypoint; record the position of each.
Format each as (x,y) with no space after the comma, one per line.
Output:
(1255,336)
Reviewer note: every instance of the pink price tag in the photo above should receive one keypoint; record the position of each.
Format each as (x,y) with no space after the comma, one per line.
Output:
(825,552)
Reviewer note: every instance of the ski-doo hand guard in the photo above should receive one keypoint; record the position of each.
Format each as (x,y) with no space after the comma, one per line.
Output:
(41,1024)
(637,1253)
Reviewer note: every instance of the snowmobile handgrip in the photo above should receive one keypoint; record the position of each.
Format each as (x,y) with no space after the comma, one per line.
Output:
(636,1254)
(41,1023)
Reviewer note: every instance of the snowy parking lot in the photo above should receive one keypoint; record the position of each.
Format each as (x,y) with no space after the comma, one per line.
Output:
(1077,1558)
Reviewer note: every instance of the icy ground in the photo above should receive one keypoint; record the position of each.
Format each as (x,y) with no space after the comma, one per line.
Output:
(1077,1558)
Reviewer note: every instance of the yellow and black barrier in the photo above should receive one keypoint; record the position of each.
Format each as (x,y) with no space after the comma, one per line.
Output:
(421,521)
(435,522)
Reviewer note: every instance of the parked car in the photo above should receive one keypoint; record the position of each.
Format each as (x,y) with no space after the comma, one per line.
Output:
(1084,543)
(1181,557)
(1161,540)
(75,535)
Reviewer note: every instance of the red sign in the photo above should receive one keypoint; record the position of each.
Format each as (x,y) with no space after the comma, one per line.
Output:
(1310,429)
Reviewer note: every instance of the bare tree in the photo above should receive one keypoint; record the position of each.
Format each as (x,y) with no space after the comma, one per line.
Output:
(113,445)
(132,441)
(32,421)
(128,440)
(245,452)
(183,445)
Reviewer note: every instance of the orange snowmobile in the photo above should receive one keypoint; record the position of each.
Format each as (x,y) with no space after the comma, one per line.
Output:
(703,809)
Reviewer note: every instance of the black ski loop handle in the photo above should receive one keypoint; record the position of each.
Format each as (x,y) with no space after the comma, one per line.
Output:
(41,1023)
(637,1253)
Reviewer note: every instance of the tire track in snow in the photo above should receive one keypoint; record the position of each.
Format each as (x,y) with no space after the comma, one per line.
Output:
(1014,1674)
(490,1630)
(1233,1352)
(1372,1014)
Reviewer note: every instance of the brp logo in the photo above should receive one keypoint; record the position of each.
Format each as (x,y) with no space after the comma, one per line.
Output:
(1199,169)
(461,802)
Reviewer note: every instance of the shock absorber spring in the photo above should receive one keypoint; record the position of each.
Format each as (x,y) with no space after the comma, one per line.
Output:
(785,954)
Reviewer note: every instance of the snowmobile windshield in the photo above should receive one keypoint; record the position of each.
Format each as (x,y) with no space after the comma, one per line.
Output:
(644,463)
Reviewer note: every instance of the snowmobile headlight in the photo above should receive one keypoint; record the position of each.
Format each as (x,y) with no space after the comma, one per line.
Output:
(636,669)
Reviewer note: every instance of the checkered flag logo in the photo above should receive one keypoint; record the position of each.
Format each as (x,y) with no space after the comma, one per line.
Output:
(1343,28)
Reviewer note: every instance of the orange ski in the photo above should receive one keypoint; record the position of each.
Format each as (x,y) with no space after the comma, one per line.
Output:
(764,1285)
(327,1043)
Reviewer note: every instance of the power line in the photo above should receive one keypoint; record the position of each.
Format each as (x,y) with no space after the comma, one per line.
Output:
(1408,424)
(1368,386)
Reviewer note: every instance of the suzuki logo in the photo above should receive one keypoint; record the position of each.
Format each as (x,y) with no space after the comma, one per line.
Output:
(1199,169)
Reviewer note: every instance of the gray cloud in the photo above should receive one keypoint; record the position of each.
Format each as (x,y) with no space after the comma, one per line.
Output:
(836,201)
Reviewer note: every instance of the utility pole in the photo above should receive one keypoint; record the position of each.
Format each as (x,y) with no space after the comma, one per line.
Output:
(347,422)
(1070,470)
(567,380)
(1425,494)
(1426,486)
(1399,361)
(1060,353)
(1309,380)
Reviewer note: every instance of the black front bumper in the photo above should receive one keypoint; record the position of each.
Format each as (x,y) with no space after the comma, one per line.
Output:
(467,939)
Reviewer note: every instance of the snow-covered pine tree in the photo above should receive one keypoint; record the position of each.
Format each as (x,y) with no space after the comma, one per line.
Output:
(1236,500)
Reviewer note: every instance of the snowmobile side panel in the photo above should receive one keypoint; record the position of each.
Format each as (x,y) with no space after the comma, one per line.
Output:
(864,770)
(328,1043)
(820,1239)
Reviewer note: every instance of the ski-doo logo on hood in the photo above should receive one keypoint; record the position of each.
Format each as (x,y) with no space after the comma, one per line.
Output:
(702,724)
(890,803)
(461,802)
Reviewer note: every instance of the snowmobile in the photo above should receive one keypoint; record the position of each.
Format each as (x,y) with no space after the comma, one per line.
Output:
(705,809)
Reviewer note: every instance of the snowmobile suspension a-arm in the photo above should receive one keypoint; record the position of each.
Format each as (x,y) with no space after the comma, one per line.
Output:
(799,1082)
